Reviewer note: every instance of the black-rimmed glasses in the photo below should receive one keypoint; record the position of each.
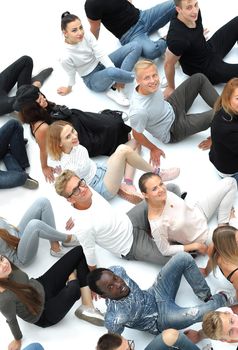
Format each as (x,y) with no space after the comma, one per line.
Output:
(76,191)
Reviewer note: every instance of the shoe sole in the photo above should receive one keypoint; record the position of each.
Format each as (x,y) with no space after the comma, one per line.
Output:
(129,196)
(93,320)
(31,185)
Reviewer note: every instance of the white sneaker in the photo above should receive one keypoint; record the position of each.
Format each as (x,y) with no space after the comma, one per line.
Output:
(72,243)
(118,97)
(168,174)
(90,314)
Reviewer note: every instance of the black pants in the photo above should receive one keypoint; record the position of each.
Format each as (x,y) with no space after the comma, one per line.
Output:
(221,43)
(59,296)
(18,72)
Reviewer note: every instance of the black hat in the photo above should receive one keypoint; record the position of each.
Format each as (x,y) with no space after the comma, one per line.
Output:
(25,94)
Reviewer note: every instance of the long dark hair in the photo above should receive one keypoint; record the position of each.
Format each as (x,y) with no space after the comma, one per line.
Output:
(11,240)
(24,292)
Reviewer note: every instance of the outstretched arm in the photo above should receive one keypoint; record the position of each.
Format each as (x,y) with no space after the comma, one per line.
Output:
(95,27)
(155,152)
(169,68)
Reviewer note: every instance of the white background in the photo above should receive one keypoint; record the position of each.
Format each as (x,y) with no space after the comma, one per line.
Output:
(33,28)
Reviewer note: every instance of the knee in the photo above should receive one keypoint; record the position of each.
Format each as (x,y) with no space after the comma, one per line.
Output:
(33,224)
(27,60)
(199,77)
(170,336)
(14,125)
(123,149)
(136,47)
(183,258)
(42,203)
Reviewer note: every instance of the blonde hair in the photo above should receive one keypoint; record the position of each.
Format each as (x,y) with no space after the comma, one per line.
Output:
(225,245)
(53,139)
(223,101)
(212,324)
(143,64)
(61,182)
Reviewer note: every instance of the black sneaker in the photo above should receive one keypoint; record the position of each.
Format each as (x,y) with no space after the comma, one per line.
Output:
(42,76)
(31,184)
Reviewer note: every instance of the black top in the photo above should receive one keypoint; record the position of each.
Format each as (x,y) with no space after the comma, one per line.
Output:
(190,44)
(118,16)
(224,150)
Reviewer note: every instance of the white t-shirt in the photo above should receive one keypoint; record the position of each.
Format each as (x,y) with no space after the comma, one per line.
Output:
(151,113)
(101,224)
(78,161)
(179,222)
(83,57)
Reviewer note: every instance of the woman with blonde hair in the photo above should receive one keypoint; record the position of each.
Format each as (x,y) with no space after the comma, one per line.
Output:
(224,132)
(64,146)
(100,133)
(20,244)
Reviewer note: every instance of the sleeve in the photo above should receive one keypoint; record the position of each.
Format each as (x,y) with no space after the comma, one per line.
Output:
(160,235)
(138,120)
(113,326)
(93,9)
(86,238)
(98,50)
(178,46)
(9,312)
(69,68)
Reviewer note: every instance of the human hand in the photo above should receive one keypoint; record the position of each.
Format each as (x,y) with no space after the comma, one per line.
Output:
(167,92)
(63,90)
(48,172)
(202,248)
(205,144)
(15,345)
(69,224)
(58,170)
(193,335)
(155,155)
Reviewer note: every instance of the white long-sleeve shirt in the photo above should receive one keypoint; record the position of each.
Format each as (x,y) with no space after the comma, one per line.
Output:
(101,224)
(83,57)
(179,222)
(78,161)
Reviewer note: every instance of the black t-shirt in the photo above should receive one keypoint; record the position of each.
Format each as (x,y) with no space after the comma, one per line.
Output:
(190,44)
(118,16)
(224,150)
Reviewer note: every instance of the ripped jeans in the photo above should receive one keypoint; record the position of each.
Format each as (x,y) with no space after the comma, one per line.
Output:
(165,289)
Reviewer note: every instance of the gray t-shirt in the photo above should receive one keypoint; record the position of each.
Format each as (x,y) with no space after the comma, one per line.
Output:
(11,306)
(153,114)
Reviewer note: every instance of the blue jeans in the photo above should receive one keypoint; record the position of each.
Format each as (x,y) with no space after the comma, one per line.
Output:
(13,153)
(124,58)
(150,20)
(34,346)
(182,343)
(165,289)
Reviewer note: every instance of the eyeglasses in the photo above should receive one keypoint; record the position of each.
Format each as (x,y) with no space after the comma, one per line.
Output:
(131,344)
(76,191)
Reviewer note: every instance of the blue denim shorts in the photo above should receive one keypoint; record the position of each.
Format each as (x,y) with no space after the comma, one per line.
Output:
(98,185)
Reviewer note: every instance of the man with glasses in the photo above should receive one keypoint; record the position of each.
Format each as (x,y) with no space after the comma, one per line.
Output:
(170,338)
(96,222)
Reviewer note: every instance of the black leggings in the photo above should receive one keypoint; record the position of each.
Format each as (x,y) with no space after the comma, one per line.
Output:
(59,296)
(221,43)
(18,72)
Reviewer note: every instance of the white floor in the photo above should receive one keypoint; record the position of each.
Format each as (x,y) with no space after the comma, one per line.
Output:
(33,28)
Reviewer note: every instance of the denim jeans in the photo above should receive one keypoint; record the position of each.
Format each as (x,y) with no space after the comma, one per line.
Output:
(13,153)
(182,343)
(18,72)
(150,20)
(34,346)
(165,289)
(124,58)
(38,222)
